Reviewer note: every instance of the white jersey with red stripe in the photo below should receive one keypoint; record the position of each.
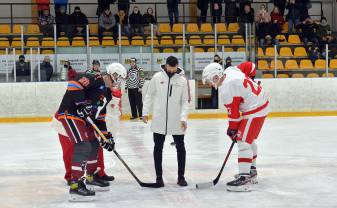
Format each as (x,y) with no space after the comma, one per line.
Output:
(241,95)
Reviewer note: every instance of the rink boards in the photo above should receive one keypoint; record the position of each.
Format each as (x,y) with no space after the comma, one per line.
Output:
(288,97)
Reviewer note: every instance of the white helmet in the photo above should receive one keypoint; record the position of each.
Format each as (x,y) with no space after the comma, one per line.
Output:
(210,71)
(116,70)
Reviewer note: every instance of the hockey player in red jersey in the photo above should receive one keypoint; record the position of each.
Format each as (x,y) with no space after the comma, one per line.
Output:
(247,108)
(85,97)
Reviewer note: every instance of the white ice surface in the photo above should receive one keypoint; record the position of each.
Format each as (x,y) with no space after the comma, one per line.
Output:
(297,166)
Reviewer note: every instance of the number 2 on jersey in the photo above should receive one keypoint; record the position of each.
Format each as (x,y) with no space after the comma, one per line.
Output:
(249,82)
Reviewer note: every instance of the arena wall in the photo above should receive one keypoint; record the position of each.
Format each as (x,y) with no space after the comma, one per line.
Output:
(41,100)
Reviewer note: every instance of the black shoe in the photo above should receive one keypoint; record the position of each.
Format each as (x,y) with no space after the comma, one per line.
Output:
(182,181)
(79,192)
(133,118)
(96,184)
(105,177)
(160,182)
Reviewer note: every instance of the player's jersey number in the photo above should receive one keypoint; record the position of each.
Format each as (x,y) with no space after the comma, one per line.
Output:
(255,89)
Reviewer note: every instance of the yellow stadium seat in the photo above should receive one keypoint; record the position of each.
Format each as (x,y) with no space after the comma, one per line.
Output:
(228,49)
(260,52)
(137,41)
(282,76)
(177,28)
(312,75)
(4,43)
(179,40)
(93,29)
(224,41)
(262,65)
(206,28)
(16,42)
(168,50)
(33,42)
(286,51)
(199,50)
(78,42)
(333,64)
(192,28)
(33,29)
(279,65)
(212,50)
(267,76)
(47,42)
(164,28)
(17,51)
(148,41)
(209,40)
(238,41)
(124,41)
(5,29)
(221,27)
(285,27)
(166,40)
(108,41)
(195,40)
(156,50)
(306,64)
(63,42)
(33,51)
(233,27)
(294,39)
(281,38)
(241,50)
(320,64)
(297,76)
(47,52)
(2,52)
(93,42)
(300,52)
(291,65)
(329,75)
(270,52)
(180,50)
(17,29)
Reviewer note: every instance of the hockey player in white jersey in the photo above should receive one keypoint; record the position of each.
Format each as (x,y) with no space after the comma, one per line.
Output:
(247,108)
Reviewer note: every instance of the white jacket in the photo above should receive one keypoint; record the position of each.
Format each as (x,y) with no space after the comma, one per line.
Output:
(169,98)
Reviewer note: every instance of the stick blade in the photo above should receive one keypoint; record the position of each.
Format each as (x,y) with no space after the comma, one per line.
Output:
(150,185)
(204,185)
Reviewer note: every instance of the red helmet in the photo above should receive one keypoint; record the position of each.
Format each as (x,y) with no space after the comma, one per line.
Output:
(248,68)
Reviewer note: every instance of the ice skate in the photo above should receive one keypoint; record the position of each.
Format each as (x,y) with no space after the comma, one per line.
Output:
(79,193)
(104,177)
(252,176)
(241,184)
(93,183)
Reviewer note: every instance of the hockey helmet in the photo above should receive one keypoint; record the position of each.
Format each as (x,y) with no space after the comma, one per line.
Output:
(248,68)
(210,71)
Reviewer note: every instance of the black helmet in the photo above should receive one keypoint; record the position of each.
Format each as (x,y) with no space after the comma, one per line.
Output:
(95,62)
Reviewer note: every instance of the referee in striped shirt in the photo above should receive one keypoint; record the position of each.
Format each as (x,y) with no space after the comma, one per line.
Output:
(134,84)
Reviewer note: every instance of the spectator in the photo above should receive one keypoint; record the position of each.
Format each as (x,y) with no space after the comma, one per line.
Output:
(293,16)
(134,84)
(107,23)
(314,54)
(46,22)
(46,70)
(79,22)
(277,21)
(149,18)
(136,22)
(243,4)
(247,17)
(22,70)
(102,5)
(59,4)
(123,20)
(324,30)
(203,7)
(63,22)
(308,31)
(281,4)
(262,15)
(228,62)
(68,73)
(231,11)
(304,6)
(333,53)
(214,91)
(124,5)
(172,8)
(263,19)
(216,10)
(42,5)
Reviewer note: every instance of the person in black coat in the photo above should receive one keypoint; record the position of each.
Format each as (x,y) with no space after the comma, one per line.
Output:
(63,22)
(103,4)
(79,21)
(124,5)
(293,16)
(281,4)
(22,70)
(216,10)
(231,11)
(172,8)
(203,7)
(148,19)
(136,22)
(46,70)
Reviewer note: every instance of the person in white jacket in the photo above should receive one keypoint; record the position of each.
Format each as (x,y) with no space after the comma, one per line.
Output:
(167,94)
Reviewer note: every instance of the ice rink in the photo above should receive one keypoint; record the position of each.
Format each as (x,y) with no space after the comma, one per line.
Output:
(297,167)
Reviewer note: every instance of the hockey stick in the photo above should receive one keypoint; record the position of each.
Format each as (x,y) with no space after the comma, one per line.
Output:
(142,184)
(216,180)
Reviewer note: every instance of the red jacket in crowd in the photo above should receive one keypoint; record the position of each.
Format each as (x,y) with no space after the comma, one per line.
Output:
(71,74)
(42,5)
(277,16)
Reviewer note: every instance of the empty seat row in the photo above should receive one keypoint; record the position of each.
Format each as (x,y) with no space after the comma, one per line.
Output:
(194,28)
(6,29)
(298,75)
(293,65)
(19,51)
(283,52)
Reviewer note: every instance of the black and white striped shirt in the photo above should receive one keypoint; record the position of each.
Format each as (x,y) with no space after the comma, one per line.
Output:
(135,78)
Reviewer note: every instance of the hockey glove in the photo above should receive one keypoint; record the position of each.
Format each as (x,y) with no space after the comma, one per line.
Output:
(85,110)
(108,144)
(232,133)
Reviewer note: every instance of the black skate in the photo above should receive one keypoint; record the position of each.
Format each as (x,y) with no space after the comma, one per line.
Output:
(105,177)
(79,193)
(253,175)
(241,184)
(95,184)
